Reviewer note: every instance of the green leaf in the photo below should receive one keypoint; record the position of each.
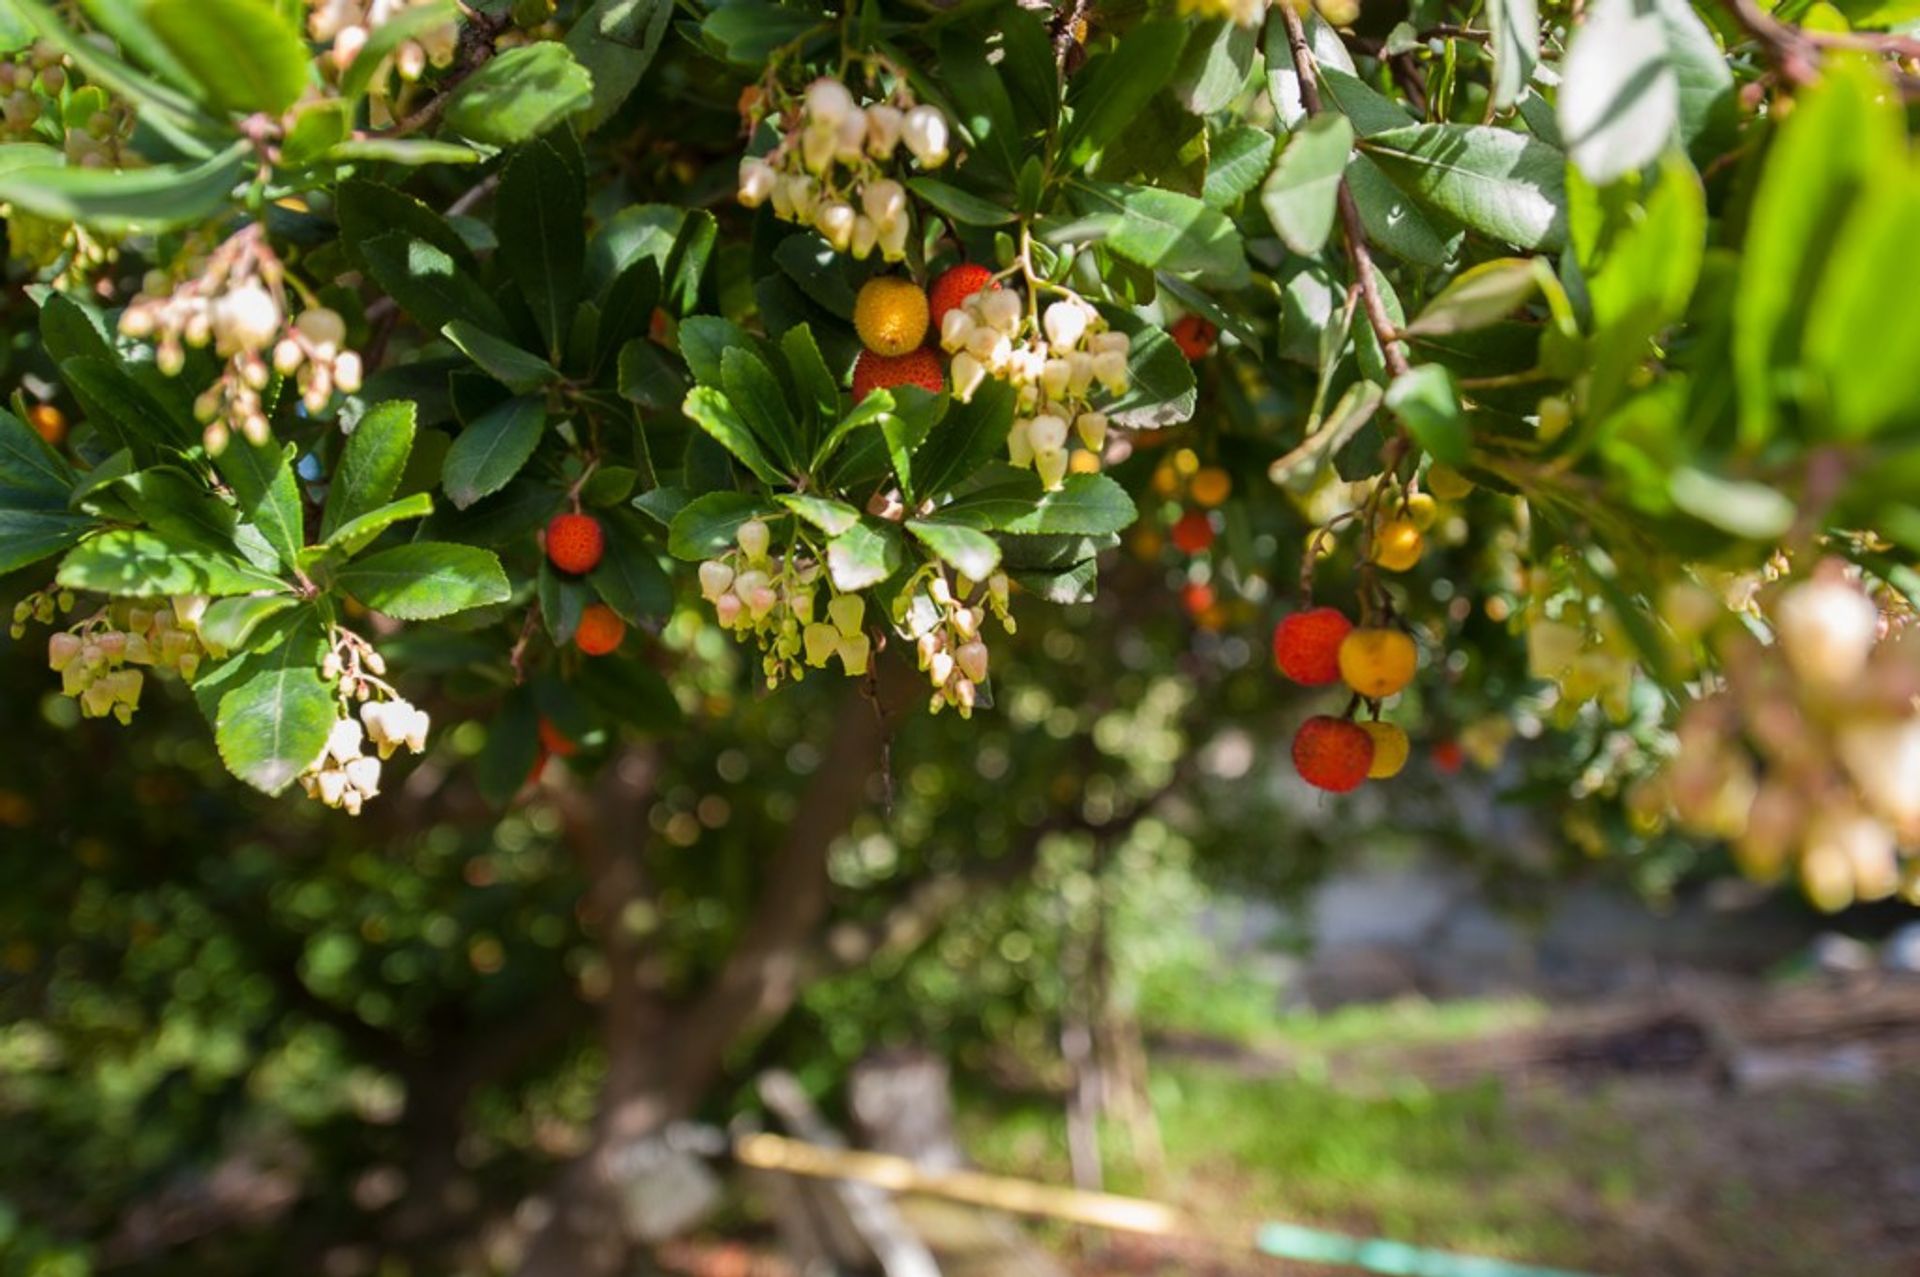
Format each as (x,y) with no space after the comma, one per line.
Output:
(227,623)
(367,210)
(686,262)
(518,370)
(970,552)
(143,564)
(262,479)
(755,394)
(1619,103)
(957,205)
(647,376)
(707,525)
(1479,296)
(123,407)
(126,201)
(630,579)
(274,725)
(1503,184)
(1750,510)
(410,151)
(1214,66)
(1085,505)
(1516,48)
(371,464)
(704,341)
(1166,230)
(1161,390)
(316,130)
(1113,88)
(28,467)
(1840,133)
(830,516)
(425,580)
(1645,280)
(715,414)
(748,32)
(819,391)
(1863,330)
(520,94)
(964,439)
(1425,400)
(1076,584)
(541,217)
(29,534)
(1301,195)
(616,40)
(865,555)
(428,282)
(487,455)
(409,23)
(867,412)
(1396,223)
(178,506)
(981,104)
(356,535)
(562,600)
(626,313)
(916,412)
(243,53)
(125,22)
(1237,159)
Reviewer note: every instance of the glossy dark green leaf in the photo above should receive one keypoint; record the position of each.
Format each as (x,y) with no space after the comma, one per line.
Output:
(519,95)
(245,54)
(865,555)
(274,723)
(263,482)
(1301,195)
(520,371)
(715,414)
(1105,95)
(630,579)
(143,564)
(1428,405)
(1505,185)
(966,550)
(124,201)
(616,40)
(425,580)
(541,218)
(1085,505)
(706,526)
(370,465)
(487,455)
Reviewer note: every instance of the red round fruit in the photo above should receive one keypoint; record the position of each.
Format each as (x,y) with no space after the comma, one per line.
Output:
(556,742)
(600,630)
(954,287)
(575,543)
(1194,336)
(1447,756)
(1197,596)
(918,367)
(1306,645)
(1332,753)
(1193,532)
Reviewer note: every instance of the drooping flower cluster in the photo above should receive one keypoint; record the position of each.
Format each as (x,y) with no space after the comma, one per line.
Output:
(1056,363)
(773,601)
(348,24)
(40,66)
(345,776)
(1809,750)
(945,619)
(1575,642)
(832,167)
(98,658)
(235,303)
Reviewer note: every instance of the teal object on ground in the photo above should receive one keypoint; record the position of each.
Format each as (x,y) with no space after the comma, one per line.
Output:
(1395,1259)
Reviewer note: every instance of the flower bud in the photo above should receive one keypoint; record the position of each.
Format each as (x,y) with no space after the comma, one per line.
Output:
(834,221)
(883,130)
(973,660)
(753,539)
(816,150)
(287,356)
(865,236)
(1110,367)
(849,137)
(828,102)
(925,133)
(726,609)
(1092,429)
(347,372)
(1051,467)
(893,240)
(966,372)
(757,180)
(855,650)
(715,577)
(244,319)
(1020,443)
(323,327)
(62,648)
(940,668)
(822,642)
(762,600)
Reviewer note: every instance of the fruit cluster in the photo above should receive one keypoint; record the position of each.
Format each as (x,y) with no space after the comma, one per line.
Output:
(830,169)
(1756,762)
(96,657)
(346,25)
(773,600)
(944,619)
(26,79)
(1321,646)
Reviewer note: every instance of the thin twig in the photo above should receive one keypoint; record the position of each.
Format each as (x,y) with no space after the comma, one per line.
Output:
(1796,52)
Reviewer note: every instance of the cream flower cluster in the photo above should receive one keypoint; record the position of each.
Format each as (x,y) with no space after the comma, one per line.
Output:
(234,304)
(347,25)
(97,658)
(830,168)
(946,631)
(1056,364)
(345,776)
(1808,753)
(773,601)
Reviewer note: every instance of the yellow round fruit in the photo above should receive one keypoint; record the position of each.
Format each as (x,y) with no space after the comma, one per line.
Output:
(1165,481)
(1084,463)
(1447,483)
(890,314)
(1390,749)
(1377,662)
(1210,487)
(1397,545)
(1186,463)
(1422,509)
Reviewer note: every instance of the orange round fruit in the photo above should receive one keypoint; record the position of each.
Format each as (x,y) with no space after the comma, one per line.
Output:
(918,367)
(1447,756)
(600,630)
(1211,486)
(1193,532)
(954,287)
(575,543)
(1196,597)
(1398,544)
(1306,645)
(48,422)
(556,742)
(1194,335)
(1377,662)
(1390,748)
(890,314)
(1332,753)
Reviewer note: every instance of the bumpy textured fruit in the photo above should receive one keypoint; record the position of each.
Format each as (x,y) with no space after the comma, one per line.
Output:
(556,742)
(954,287)
(575,543)
(1332,754)
(1194,336)
(1211,486)
(1193,533)
(1377,662)
(1397,545)
(600,630)
(1306,645)
(890,314)
(48,422)
(1390,749)
(918,367)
